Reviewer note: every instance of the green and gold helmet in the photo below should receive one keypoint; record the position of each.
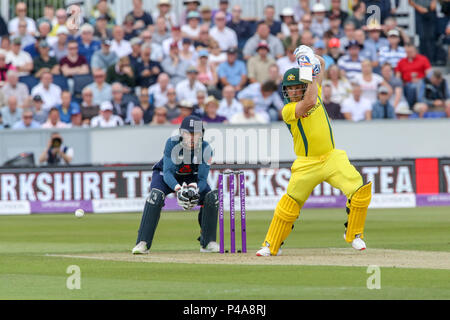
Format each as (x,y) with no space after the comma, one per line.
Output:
(292,78)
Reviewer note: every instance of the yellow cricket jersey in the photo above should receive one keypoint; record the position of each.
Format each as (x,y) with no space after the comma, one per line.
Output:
(312,133)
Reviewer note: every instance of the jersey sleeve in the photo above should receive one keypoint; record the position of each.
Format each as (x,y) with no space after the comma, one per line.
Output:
(204,167)
(288,112)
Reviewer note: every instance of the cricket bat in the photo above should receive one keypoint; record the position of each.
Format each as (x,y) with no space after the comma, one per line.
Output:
(306,69)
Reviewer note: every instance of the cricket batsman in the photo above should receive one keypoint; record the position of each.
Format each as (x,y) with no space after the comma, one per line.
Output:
(183,170)
(317,159)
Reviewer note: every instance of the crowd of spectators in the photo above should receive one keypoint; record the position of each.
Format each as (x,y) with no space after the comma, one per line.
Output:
(159,67)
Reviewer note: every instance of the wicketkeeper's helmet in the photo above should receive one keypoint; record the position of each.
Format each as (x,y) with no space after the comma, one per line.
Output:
(292,78)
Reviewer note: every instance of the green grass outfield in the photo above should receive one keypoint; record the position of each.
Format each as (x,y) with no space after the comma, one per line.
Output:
(27,272)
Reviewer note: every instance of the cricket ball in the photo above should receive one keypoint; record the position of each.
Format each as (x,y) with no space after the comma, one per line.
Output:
(79,213)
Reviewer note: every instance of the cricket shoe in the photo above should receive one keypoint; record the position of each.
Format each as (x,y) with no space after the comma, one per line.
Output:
(265,252)
(358,243)
(141,248)
(212,247)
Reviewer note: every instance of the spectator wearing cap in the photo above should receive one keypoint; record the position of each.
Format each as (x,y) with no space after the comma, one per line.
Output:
(263,33)
(162,31)
(104,58)
(287,18)
(142,18)
(334,49)
(191,30)
(11,113)
(73,64)
(207,73)
(394,84)
(128,28)
(159,92)
(27,121)
(248,115)
(106,118)
(119,45)
(171,104)
(267,100)
(164,11)
(187,89)
(13,87)
(21,14)
(174,66)
(210,115)
(19,59)
(333,109)
(336,11)
(374,41)
(76,119)
(39,114)
(44,62)
(146,70)
(102,9)
(241,27)
(433,95)
(101,90)
(425,21)
(88,108)
(356,108)
(233,71)
(382,108)
(320,22)
(122,72)
(301,8)
(288,61)
(402,112)
(390,24)
(206,14)
(186,53)
(411,70)
(59,48)
(351,62)
(319,49)
(340,86)
(229,105)
(186,108)
(392,53)
(269,19)
(225,36)
(87,46)
(294,38)
(101,28)
(53,120)
(160,117)
(67,107)
(258,65)
(191,5)
(49,92)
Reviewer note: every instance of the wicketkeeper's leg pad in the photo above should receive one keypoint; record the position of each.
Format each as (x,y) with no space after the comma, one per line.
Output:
(286,212)
(208,219)
(358,205)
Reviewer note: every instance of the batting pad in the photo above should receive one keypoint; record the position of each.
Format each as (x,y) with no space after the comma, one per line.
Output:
(358,212)
(286,212)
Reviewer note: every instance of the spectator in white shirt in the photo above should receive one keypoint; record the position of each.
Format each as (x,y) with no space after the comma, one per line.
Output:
(229,105)
(20,59)
(191,30)
(11,113)
(101,90)
(356,108)
(225,36)
(21,14)
(369,82)
(187,89)
(248,114)
(120,46)
(106,119)
(15,88)
(288,61)
(49,92)
(158,91)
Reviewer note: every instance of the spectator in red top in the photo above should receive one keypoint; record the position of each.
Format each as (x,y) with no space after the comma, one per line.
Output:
(73,64)
(411,70)
(4,68)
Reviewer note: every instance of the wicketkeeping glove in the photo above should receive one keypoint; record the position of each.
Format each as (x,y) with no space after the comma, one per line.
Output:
(193,194)
(182,199)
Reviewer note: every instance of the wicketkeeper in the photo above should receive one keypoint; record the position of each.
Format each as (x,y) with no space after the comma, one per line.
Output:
(317,159)
(183,170)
